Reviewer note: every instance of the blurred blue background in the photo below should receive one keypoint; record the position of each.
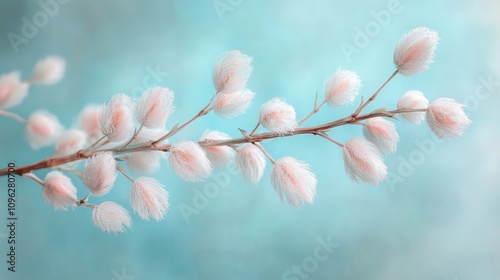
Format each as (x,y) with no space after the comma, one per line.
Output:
(435,217)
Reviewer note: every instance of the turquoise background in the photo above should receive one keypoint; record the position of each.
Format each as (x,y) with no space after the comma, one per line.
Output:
(437,220)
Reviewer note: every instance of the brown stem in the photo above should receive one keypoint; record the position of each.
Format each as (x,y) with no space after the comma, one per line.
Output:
(361,107)
(174,131)
(148,146)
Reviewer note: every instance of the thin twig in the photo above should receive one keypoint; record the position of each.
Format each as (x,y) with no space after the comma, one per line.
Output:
(314,111)
(265,152)
(34,178)
(255,128)
(13,116)
(176,129)
(122,171)
(360,108)
(330,139)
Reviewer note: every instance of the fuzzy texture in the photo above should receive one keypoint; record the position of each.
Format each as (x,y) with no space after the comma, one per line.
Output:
(42,129)
(116,118)
(278,116)
(58,190)
(71,141)
(88,120)
(49,70)
(149,199)
(415,51)
(99,173)
(218,155)
(292,179)
(12,90)
(189,161)
(446,118)
(342,87)
(413,99)
(154,107)
(232,105)
(111,217)
(251,162)
(382,133)
(363,162)
(231,72)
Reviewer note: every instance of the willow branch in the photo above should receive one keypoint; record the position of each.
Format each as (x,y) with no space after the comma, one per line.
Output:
(150,146)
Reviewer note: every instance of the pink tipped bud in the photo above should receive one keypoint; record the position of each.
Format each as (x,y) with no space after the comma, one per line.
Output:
(154,107)
(71,141)
(111,217)
(231,72)
(278,116)
(294,180)
(231,105)
(12,90)
(189,161)
(446,118)
(218,155)
(149,199)
(251,162)
(42,129)
(58,190)
(116,118)
(382,133)
(342,87)
(89,120)
(48,71)
(413,99)
(415,51)
(99,173)
(363,162)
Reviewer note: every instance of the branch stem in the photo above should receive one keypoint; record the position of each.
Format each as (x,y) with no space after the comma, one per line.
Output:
(13,116)
(148,146)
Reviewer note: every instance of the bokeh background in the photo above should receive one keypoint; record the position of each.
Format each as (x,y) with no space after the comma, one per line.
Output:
(435,217)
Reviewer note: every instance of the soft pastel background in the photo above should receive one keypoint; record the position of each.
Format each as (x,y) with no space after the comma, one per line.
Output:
(435,218)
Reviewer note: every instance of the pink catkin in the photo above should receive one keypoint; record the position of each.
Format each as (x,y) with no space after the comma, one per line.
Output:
(293,180)
(278,116)
(382,133)
(189,161)
(42,129)
(12,90)
(58,190)
(111,217)
(99,174)
(342,87)
(218,155)
(413,99)
(415,51)
(251,162)
(149,199)
(447,118)
(231,72)
(89,120)
(363,161)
